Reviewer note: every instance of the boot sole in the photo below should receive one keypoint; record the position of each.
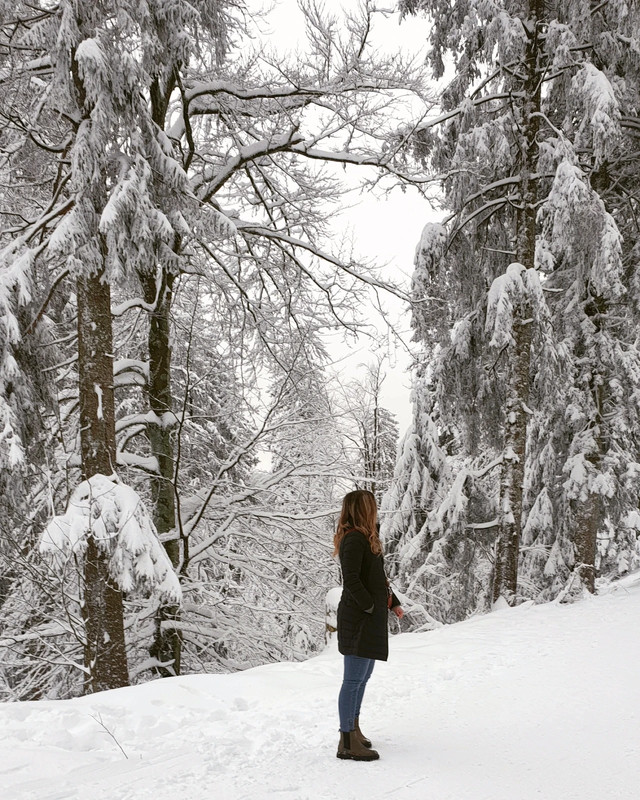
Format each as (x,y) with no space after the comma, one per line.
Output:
(346,756)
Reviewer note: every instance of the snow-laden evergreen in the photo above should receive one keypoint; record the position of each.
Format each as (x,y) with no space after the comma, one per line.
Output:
(533,398)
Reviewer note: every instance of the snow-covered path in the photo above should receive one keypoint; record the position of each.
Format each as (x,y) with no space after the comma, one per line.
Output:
(536,702)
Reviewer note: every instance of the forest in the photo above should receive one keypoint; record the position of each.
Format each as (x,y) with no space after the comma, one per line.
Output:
(175,437)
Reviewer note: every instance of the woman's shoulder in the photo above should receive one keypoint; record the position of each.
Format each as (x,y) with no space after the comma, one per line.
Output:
(354,538)
(355,533)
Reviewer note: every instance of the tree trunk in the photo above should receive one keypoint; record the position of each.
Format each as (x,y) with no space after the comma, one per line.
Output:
(588,513)
(587,520)
(512,476)
(105,657)
(167,644)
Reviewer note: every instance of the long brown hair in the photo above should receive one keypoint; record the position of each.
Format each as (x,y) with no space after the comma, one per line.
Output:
(360,512)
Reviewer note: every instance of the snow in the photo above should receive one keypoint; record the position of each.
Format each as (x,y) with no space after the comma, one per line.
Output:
(115,516)
(145,463)
(601,117)
(167,419)
(130,372)
(632,520)
(527,703)
(98,391)
(573,210)
(431,246)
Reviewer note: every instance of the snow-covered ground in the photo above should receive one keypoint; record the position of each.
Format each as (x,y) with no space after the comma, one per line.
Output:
(534,702)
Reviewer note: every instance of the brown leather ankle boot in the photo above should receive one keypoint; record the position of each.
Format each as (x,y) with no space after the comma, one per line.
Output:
(366,742)
(351,747)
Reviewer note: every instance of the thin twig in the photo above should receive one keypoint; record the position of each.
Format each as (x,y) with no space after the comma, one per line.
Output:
(98,719)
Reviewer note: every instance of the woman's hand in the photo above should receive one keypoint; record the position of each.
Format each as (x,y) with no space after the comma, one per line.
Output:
(398,611)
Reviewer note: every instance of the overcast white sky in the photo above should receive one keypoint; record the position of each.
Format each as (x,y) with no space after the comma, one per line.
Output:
(384,229)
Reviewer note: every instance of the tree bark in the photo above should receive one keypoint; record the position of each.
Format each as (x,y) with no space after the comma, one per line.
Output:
(512,475)
(167,644)
(105,657)
(589,512)
(587,520)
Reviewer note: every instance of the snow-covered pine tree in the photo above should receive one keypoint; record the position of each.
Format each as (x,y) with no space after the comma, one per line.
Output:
(486,146)
(91,114)
(178,36)
(27,354)
(589,240)
(520,115)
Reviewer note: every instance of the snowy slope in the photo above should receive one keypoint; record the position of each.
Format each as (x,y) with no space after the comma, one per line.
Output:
(536,702)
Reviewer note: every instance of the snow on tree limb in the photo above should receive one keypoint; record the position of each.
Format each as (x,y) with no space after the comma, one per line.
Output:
(114,516)
(431,247)
(518,286)
(576,225)
(600,118)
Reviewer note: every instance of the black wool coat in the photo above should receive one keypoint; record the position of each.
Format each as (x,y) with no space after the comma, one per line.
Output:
(364,588)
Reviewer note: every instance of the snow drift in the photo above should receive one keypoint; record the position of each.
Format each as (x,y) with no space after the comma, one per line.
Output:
(532,702)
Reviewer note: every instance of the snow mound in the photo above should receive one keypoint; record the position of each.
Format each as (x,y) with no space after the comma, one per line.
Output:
(532,702)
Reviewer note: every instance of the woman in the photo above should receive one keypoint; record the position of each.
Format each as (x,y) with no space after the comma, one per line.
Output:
(362,614)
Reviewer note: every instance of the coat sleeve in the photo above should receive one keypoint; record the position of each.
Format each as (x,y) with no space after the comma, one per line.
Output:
(394,600)
(351,555)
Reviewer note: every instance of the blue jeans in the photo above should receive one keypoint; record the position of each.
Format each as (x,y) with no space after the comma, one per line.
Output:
(357,672)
